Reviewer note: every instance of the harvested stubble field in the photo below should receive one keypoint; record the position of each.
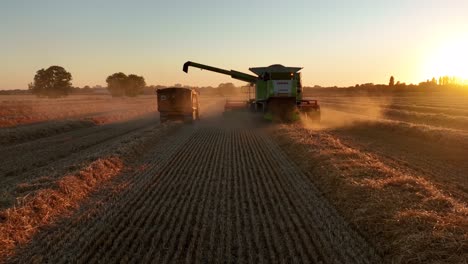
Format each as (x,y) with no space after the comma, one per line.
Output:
(27,109)
(402,179)
(237,190)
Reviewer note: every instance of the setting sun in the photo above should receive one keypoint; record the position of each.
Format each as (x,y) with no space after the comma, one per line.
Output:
(449,59)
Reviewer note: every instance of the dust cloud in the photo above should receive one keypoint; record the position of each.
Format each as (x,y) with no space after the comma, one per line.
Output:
(341,112)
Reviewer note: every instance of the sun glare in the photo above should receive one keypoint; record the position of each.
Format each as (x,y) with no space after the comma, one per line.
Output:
(449,59)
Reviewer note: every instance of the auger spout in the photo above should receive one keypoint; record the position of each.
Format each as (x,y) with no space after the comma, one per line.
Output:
(234,74)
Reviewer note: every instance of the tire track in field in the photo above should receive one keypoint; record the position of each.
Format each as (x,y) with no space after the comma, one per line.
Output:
(210,194)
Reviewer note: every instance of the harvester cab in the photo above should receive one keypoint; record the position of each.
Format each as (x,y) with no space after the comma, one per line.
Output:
(278,92)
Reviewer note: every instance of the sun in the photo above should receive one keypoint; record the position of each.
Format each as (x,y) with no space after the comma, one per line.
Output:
(449,59)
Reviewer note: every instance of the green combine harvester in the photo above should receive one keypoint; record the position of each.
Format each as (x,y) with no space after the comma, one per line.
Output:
(278,92)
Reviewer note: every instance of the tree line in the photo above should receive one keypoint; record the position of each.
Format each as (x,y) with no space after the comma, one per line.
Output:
(442,81)
(448,84)
(55,82)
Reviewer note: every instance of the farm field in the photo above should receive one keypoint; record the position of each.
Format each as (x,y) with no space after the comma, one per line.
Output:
(429,135)
(28,109)
(378,180)
(401,177)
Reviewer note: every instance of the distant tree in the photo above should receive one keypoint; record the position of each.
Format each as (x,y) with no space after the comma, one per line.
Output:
(86,89)
(227,88)
(134,85)
(428,84)
(119,84)
(53,82)
(454,80)
(392,81)
(116,84)
(445,80)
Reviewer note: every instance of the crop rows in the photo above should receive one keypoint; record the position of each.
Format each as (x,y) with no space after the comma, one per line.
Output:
(406,195)
(447,131)
(427,103)
(437,151)
(56,155)
(439,119)
(208,194)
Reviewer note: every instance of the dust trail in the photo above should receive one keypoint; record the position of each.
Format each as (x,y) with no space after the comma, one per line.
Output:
(341,116)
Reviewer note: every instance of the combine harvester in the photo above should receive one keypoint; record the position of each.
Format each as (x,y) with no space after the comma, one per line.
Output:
(278,92)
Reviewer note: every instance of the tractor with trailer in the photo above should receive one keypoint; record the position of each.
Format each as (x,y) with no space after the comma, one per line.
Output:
(278,92)
(176,103)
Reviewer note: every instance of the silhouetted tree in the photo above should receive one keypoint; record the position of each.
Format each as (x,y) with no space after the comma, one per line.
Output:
(227,88)
(86,89)
(119,84)
(53,82)
(134,85)
(446,80)
(116,84)
(392,81)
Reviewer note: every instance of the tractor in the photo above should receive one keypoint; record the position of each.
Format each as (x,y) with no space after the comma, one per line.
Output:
(278,92)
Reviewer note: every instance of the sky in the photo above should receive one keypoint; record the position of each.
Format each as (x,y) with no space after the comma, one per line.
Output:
(339,43)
